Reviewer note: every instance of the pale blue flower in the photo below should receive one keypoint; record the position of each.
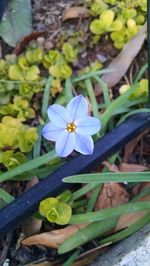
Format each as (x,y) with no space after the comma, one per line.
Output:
(71,127)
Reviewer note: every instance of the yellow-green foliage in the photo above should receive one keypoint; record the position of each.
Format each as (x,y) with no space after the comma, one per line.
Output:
(93,67)
(14,135)
(140,91)
(19,109)
(11,159)
(55,211)
(69,52)
(121,19)
(60,70)
(57,63)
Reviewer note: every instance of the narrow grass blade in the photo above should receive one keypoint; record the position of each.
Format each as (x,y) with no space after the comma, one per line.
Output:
(5,196)
(104,89)
(92,200)
(91,74)
(72,258)
(141,72)
(32,164)
(68,90)
(142,110)
(93,101)
(85,234)
(78,203)
(37,146)
(127,232)
(46,96)
(109,177)
(109,212)
(82,191)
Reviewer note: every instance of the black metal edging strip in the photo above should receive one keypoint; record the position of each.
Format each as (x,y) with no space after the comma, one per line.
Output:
(3,5)
(24,206)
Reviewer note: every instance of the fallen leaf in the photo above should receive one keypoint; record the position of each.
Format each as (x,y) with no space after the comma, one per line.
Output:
(111,167)
(138,188)
(76,12)
(131,146)
(126,167)
(131,218)
(112,194)
(90,255)
(53,238)
(45,263)
(124,59)
(24,41)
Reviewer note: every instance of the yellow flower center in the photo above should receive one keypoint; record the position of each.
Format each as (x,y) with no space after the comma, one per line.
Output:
(71,127)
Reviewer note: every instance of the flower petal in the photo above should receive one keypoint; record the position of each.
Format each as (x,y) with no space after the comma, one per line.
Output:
(84,144)
(87,125)
(65,143)
(51,132)
(59,115)
(77,107)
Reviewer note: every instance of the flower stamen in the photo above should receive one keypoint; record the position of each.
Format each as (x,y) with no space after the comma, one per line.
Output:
(71,127)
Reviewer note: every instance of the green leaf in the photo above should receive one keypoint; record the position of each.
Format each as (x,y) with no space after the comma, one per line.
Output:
(133,112)
(93,101)
(72,258)
(86,234)
(46,96)
(109,212)
(68,90)
(127,232)
(92,200)
(109,177)
(82,191)
(91,75)
(30,165)
(17,22)
(105,90)
(5,196)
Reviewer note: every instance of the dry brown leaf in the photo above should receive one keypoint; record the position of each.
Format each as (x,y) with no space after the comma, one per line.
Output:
(111,195)
(111,167)
(25,40)
(76,12)
(45,263)
(124,59)
(138,188)
(126,167)
(90,255)
(131,146)
(53,238)
(129,219)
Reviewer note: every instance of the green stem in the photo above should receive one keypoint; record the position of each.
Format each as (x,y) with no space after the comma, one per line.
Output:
(68,90)
(93,101)
(46,95)
(104,89)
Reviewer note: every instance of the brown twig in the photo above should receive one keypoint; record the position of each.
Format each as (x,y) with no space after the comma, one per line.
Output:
(5,248)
